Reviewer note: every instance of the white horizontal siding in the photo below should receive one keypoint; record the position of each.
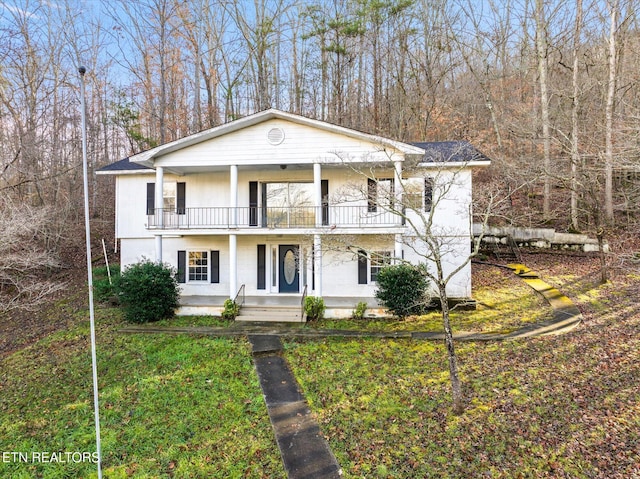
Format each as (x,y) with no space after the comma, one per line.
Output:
(339,271)
(259,161)
(302,145)
(131,206)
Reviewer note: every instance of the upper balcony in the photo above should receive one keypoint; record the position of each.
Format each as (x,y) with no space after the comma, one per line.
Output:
(300,217)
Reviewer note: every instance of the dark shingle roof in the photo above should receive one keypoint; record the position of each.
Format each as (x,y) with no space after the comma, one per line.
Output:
(123,165)
(435,151)
(450,151)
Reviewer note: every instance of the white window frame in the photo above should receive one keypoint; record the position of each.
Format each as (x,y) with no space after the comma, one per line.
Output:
(207,266)
(377,261)
(170,195)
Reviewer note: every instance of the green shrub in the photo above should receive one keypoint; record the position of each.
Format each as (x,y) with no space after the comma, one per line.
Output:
(358,313)
(402,289)
(314,307)
(148,291)
(231,309)
(103,290)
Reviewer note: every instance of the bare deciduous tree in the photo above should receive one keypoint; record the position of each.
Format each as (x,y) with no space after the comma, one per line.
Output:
(424,198)
(25,261)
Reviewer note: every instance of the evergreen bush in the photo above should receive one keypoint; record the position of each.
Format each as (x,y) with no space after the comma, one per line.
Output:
(314,307)
(402,289)
(358,313)
(148,291)
(231,309)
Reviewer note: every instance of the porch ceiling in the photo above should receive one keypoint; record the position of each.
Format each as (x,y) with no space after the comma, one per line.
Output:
(194,169)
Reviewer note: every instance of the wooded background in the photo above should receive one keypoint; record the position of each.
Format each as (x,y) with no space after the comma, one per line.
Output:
(547,89)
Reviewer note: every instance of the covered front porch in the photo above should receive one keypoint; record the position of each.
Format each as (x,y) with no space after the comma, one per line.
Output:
(277,308)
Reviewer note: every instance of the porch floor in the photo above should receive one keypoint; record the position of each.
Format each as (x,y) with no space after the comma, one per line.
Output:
(279,300)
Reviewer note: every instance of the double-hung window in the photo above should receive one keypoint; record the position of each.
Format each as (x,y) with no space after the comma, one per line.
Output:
(379,259)
(173,197)
(169,195)
(198,265)
(428,194)
(370,264)
(380,193)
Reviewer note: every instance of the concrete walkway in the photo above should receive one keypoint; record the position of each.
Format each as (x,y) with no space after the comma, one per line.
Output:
(305,453)
(565,315)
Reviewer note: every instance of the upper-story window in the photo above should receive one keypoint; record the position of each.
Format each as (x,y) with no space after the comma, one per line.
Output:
(169,192)
(173,194)
(428,193)
(380,193)
(418,194)
(289,204)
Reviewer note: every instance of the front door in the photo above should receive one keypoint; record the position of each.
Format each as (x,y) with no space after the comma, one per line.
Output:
(289,277)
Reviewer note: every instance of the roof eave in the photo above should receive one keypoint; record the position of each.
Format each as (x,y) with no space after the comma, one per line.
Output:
(145,171)
(454,164)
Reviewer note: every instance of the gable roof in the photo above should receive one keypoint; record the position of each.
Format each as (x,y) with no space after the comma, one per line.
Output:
(438,153)
(147,157)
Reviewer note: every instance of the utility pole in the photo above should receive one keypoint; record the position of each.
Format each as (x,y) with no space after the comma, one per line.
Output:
(82,70)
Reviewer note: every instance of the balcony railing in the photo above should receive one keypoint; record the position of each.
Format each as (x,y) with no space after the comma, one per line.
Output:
(271,217)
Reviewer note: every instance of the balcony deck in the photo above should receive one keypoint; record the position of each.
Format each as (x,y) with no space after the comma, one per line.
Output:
(273,217)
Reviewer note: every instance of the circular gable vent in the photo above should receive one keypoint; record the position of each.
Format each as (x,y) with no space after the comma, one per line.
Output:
(275,136)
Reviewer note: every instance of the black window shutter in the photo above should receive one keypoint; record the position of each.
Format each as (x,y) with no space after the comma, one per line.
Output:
(181,199)
(151,198)
(253,203)
(264,205)
(262,266)
(362,267)
(215,266)
(313,267)
(428,194)
(372,195)
(182,267)
(324,187)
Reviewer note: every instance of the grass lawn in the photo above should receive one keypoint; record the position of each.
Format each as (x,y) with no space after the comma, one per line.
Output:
(171,406)
(179,406)
(552,407)
(504,304)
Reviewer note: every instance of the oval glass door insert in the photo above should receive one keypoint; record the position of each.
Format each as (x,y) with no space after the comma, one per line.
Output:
(289,266)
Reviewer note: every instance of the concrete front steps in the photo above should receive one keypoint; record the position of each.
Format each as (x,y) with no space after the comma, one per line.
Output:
(276,314)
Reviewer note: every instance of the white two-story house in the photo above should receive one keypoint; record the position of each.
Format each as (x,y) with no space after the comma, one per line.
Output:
(275,206)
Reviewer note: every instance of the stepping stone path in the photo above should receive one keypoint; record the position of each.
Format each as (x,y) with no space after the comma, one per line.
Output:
(565,314)
(305,453)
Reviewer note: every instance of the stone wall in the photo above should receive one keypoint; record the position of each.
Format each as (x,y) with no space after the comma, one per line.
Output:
(538,238)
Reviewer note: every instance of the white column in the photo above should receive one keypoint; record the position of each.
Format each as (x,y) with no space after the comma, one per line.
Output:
(233,195)
(233,266)
(317,251)
(159,210)
(398,189)
(397,168)
(397,250)
(317,189)
(158,248)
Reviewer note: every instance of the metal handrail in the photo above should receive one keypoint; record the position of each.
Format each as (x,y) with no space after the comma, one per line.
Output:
(225,217)
(239,295)
(304,295)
